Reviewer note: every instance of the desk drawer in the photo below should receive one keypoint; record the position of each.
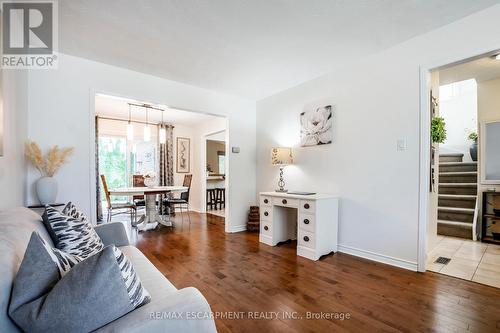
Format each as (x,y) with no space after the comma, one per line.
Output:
(266,213)
(306,239)
(266,201)
(307,222)
(286,202)
(266,228)
(307,206)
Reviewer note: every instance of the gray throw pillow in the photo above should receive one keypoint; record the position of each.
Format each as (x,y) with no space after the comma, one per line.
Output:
(93,293)
(74,235)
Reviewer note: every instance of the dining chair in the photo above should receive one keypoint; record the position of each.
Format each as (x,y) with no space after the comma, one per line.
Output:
(183,201)
(120,208)
(138,181)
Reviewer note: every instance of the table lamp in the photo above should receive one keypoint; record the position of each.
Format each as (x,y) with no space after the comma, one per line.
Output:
(281,156)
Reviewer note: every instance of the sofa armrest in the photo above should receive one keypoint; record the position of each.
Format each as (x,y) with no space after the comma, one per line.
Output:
(184,310)
(112,233)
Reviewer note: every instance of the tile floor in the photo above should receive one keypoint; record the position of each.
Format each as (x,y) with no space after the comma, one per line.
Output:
(219,212)
(473,261)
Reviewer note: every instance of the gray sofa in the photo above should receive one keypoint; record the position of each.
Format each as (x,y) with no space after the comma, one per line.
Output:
(16,226)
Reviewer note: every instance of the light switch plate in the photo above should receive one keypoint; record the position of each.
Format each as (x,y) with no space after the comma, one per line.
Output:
(401,144)
(235,150)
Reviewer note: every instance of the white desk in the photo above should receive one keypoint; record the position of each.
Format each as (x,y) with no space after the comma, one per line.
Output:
(311,219)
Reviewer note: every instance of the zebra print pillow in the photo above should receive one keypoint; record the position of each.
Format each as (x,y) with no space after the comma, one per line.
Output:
(137,294)
(72,211)
(72,235)
(64,261)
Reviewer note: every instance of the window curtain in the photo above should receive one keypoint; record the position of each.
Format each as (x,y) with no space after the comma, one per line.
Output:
(166,159)
(97,175)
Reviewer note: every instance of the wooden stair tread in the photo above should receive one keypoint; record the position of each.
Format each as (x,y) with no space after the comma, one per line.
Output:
(456,163)
(458,196)
(457,210)
(465,225)
(458,173)
(451,155)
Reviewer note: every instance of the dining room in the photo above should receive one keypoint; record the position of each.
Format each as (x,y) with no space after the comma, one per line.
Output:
(150,162)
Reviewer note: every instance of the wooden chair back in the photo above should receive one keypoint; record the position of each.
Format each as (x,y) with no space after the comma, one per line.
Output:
(138,181)
(186,183)
(106,190)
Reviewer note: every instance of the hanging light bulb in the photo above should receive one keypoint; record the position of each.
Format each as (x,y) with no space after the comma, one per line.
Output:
(147,130)
(130,126)
(163,131)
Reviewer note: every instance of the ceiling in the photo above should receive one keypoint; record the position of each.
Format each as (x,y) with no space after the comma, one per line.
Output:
(116,107)
(247,48)
(482,69)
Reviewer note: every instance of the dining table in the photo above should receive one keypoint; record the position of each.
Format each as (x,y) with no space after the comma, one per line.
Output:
(152,217)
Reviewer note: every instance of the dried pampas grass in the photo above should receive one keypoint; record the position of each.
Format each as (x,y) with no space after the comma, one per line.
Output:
(56,157)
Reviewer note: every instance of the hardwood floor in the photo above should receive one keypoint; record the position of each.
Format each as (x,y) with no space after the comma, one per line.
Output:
(236,273)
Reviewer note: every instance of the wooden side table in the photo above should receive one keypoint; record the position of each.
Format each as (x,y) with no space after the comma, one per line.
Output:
(39,209)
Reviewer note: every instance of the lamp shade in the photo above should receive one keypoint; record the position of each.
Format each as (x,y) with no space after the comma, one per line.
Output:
(281,156)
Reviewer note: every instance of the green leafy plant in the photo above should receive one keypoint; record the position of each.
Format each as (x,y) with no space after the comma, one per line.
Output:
(472,136)
(438,131)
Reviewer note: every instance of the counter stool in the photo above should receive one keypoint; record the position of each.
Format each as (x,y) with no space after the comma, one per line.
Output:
(211,199)
(220,198)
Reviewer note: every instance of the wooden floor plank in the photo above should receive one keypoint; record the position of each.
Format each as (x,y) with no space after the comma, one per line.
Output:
(237,273)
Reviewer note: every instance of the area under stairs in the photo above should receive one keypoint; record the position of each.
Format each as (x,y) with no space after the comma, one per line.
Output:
(457,196)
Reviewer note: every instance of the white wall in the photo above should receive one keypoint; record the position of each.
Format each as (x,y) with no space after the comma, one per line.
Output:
(488,98)
(458,107)
(377,103)
(61,108)
(13,85)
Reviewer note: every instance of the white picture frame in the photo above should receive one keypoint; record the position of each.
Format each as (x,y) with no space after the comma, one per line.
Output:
(316,124)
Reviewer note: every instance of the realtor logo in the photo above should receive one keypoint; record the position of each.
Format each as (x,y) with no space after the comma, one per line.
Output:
(29,34)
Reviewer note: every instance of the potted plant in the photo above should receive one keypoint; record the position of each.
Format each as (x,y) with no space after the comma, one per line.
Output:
(473,148)
(48,165)
(438,131)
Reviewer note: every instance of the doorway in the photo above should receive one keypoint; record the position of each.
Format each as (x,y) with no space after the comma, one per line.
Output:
(215,177)
(460,224)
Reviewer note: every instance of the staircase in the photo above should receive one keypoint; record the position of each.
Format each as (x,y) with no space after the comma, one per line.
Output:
(457,196)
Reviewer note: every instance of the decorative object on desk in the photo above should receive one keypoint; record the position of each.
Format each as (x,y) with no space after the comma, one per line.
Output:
(150,179)
(316,125)
(183,153)
(46,186)
(473,147)
(281,156)
(253,223)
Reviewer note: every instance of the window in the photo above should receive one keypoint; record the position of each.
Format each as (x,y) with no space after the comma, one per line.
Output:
(222,163)
(112,161)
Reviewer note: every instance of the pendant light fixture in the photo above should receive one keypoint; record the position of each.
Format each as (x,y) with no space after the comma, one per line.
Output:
(130,126)
(163,132)
(147,130)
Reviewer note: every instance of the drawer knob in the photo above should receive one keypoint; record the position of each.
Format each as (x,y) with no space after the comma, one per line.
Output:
(266,214)
(266,201)
(284,201)
(266,228)
(306,221)
(306,239)
(306,206)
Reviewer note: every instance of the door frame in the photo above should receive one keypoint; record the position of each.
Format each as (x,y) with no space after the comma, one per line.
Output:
(424,140)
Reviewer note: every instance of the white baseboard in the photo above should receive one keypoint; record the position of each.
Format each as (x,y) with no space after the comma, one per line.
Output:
(237,228)
(378,257)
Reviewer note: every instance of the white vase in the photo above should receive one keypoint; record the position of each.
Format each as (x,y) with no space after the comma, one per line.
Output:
(150,181)
(46,190)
